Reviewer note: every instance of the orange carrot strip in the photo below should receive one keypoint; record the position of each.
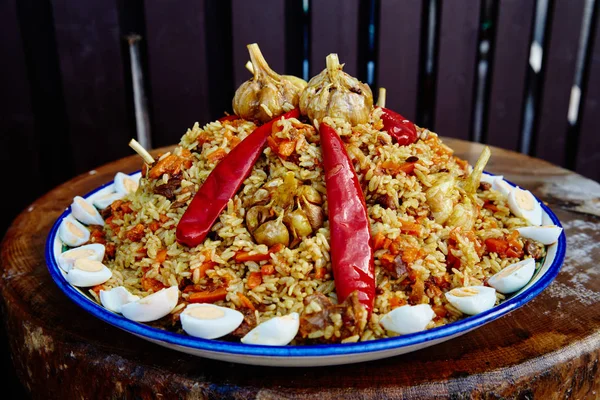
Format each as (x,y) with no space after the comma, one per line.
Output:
(246,301)
(161,255)
(208,296)
(267,269)
(254,279)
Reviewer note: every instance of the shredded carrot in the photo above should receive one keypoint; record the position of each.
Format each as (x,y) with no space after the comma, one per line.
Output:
(396,302)
(98,288)
(167,165)
(387,243)
(208,296)
(254,279)
(320,273)
(395,168)
(411,228)
(286,148)
(440,311)
(243,256)
(410,254)
(495,245)
(378,241)
(267,269)
(491,206)
(246,301)
(161,255)
(207,265)
(387,258)
(151,283)
(154,225)
(216,155)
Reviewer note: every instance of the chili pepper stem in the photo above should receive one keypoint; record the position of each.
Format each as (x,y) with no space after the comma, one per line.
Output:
(381,98)
(134,144)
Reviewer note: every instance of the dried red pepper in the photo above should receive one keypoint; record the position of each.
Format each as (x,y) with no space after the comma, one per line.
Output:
(399,128)
(222,184)
(351,251)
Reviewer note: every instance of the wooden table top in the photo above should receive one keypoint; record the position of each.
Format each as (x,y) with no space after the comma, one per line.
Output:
(549,348)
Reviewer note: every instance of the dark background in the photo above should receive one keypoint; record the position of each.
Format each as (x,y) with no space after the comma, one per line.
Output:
(462,68)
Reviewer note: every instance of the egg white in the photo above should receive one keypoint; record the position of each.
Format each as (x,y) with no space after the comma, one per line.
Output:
(152,307)
(546,234)
(408,319)
(92,251)
(72,232)
(81,277)
(125,184)
(277,331)
(115,298)
(513,277)
(500,185)
(475,299)
(523,204)
(85,212)
(106,199)
(209,321)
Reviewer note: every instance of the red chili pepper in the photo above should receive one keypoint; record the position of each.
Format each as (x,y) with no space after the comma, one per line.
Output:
(222,184)
(351,252)
(400,129)
(228,118)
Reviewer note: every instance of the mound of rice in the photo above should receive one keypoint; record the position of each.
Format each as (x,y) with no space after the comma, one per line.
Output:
(416,259)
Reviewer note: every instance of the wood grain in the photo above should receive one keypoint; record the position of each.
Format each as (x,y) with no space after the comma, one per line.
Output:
(551,138)
(178,67)
(588,151)
(456,73)
(547,349)
(509,72)
(334,29)
(399,52)
(89,48)
(263,25)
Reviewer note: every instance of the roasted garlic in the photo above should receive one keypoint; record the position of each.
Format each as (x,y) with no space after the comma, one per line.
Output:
(336,94)
(267,94)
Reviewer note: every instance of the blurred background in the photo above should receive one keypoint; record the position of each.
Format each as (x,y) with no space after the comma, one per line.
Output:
(81,78)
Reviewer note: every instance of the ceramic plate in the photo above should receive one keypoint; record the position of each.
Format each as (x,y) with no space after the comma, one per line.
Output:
(306,355)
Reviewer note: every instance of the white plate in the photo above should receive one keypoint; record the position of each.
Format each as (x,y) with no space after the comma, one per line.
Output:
(306,355)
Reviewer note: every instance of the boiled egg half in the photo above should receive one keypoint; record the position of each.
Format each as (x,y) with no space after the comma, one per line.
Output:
(490,178)
(106,199)
(152,307)
(125,184)
(277,331)
(86,273)
(115,298)
(500,185)
(209,321)
(523,204)
(408,319)
(72,232)
(546,234)
(92,251)
(513,277)
(472,300)
(85,212)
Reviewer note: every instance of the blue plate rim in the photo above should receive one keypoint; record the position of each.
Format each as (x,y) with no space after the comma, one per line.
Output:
(301,351)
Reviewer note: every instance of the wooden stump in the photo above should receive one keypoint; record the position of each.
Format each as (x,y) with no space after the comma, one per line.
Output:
(547,349)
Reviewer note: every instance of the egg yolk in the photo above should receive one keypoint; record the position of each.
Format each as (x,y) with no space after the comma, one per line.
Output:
(205,313)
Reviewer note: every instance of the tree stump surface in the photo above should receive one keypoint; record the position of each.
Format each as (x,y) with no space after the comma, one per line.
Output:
(547,349)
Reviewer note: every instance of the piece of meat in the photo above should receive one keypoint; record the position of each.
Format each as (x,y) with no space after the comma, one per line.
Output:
(533,250)
(168,189)
(247,324)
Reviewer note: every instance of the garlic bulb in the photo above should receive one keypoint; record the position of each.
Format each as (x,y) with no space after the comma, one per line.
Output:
(336,94)
(267,94)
